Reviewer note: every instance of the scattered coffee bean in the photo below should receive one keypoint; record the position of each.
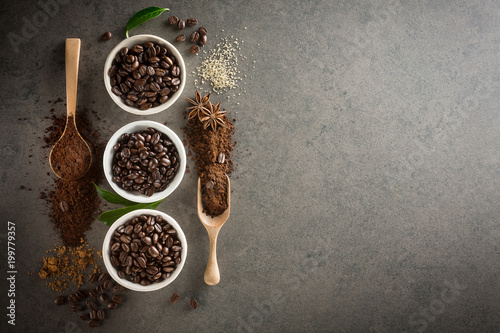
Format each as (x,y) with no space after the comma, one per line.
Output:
(194,37)
(221,158)
(85,316)
(146,162)
(193,303)
(155,238)
(59,300)
(180,38)
(202,30)
(192,22)
(203,40)
(181,24)
(140,73)
(104,277)
(172,20)
(194,49)
(93,278)
(64,206)
(104,298)
(94,323)
(100,314)
(175,298)
(106,36)
(118,289)
(117,299)
(112,305)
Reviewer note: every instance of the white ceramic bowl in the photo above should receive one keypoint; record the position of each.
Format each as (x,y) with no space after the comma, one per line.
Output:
(106,251)
(134,127)
(130,42)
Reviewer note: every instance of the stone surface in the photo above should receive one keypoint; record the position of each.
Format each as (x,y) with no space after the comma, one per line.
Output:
(367,183)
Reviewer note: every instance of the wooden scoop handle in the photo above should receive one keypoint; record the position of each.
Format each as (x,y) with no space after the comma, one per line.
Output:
(212,275)
(72,60)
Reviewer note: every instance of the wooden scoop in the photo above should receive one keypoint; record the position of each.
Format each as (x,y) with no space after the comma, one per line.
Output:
(70,158)
(213,225)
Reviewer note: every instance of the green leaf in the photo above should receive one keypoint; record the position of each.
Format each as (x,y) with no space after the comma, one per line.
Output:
(144,15)
(111,216)
(113,197)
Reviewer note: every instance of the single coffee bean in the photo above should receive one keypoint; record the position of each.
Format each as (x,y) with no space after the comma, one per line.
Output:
(72,298)
(64,206)
(80,294)
(85,316)
(192,22)
(100,314)
(221,158)
(174,298)
(106,36)
(181,24)
(193,303)
(104,276)
(94,323)
(112,305)
(91,305)
(202,30)
(93,314)
(59,300)
(93,278)
(180,38)
(194,37)
(104,298)
(203,40)
(93,293)
(117,299)
(172,20)
(194,49)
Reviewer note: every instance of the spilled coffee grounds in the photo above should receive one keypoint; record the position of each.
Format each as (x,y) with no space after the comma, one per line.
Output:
(74,203)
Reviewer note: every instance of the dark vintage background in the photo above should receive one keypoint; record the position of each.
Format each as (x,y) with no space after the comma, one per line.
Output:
(367,184)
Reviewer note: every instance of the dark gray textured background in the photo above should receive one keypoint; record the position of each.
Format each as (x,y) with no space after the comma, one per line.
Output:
(367,178)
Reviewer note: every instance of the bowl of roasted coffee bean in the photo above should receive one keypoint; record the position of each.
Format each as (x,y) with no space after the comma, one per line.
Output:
(144,161)
(144,74)
(144,250)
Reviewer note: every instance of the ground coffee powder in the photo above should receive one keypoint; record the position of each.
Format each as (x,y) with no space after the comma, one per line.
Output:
(74,203)
(213,161)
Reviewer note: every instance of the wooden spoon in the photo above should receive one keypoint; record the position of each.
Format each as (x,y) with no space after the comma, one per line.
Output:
(213,225)
(70,158)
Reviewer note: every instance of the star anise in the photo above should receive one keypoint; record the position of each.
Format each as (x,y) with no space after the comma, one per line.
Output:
(199,105)
(213,116)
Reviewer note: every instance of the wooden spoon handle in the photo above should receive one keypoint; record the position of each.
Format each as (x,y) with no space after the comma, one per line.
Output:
(72,60)
(212,275)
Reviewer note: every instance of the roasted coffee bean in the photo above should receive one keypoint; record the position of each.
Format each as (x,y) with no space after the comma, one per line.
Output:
(194,49)
(94,323)
(192,22)
(93,278)
(103,277)
(84,316)
(100,314)
(72,298)
(181,24)
(93,293)
(180,38)
(194,37)
(118,289)
(193,303)
(221,158)
(106,36)
(203,40)
(104,298)
(112,305)
(174,298)
(93,314)
(64,206)
(91,305)
(80,294)
(76,308)
(202,30)
(59,300)
(117,299)
(172,20)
